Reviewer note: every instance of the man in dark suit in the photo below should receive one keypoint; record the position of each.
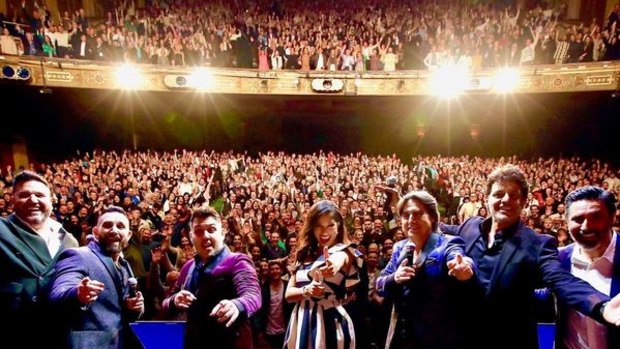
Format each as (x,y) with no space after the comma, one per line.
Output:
(430,281)
(91,288)
(513,261)
(594,258)
(30,243)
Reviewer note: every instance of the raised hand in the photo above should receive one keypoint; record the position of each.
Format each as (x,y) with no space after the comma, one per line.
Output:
(329,269)
(460,268)
(404,272)
(88,290)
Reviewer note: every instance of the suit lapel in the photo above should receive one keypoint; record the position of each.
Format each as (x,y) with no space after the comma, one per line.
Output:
(32,241)
(428,248)
(508,251)
(109,265)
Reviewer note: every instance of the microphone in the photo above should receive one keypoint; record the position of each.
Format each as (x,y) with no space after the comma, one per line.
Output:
(133,287)
(410,254)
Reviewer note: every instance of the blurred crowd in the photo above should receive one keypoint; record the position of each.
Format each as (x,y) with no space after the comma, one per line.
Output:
(357,35)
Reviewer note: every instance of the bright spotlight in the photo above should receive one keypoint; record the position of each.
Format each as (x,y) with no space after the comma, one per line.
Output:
(201,79)
(449,81)
(506,80)
(128,77)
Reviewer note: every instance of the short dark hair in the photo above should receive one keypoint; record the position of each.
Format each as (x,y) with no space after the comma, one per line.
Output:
(593,193)
(508,173)
(275,262)
(112,209)
(204,213)
(27,176)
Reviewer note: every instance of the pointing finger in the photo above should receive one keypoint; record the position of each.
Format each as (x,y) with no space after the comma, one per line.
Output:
(326,254)
(459,259)
(317,276)
(216,309)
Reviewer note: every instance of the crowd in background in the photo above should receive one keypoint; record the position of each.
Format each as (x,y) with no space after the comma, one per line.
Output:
(357,35)
(264,198)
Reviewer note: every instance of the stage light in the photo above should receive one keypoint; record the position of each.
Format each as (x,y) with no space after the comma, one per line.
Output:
(201,79)
(449,81)
(506,80)
(128,77)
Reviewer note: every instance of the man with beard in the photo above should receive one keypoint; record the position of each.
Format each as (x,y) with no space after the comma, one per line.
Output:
(91,288)
(30,243)
(513,261)
(594,258)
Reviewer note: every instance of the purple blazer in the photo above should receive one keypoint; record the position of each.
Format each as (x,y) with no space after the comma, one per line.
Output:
(226,276)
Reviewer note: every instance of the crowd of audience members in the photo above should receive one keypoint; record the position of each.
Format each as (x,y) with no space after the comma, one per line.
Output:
(263,200)
(355,35)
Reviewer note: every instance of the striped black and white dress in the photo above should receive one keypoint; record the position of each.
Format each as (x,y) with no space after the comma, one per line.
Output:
(318,323)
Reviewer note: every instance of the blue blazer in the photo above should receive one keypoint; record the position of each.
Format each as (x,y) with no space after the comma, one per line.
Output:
(103,323)
(528,261)
(430,310)
(613,333)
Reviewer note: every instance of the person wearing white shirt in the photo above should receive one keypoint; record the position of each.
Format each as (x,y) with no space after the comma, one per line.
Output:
(594,258)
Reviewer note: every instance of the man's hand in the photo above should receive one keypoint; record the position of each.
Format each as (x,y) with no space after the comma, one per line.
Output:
(88,290)
(135,303)
(460,268)
(404,272)
(611,313)
(183,299)
(225,311)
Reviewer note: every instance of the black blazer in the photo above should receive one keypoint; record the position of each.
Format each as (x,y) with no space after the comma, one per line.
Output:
(527,261)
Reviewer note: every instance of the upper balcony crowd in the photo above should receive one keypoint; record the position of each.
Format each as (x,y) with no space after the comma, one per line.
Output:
(357,35)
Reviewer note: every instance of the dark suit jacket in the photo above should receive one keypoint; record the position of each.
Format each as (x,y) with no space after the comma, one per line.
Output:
(527,261)
(26,268)
(613,334)
(431,307)
(103,323)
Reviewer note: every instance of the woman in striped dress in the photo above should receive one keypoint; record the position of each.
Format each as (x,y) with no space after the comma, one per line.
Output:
(326,270)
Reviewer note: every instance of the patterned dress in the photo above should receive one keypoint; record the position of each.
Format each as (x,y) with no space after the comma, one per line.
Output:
(318,323)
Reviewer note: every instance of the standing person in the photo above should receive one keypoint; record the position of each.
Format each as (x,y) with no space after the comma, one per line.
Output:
(429,280)
(275,311)
(326,268)
(92,288)
(30,243)
(218,289)
(594,258)
(513,261)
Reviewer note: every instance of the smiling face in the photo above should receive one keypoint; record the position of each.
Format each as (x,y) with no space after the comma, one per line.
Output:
(325,230)
(589,224)
(112,232)
(207,236)
(32,202)
(416,220)
(505,203)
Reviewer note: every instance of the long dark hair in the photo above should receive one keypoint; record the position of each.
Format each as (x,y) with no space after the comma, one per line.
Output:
(307,245)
